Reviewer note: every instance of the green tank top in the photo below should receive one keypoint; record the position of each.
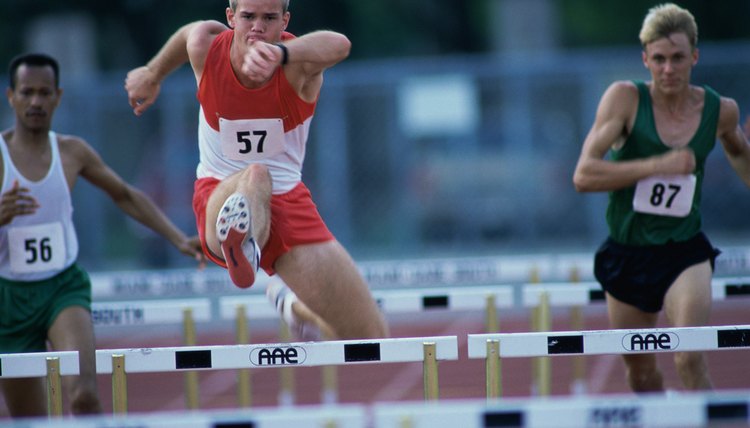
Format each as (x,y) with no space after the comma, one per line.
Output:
(632,228)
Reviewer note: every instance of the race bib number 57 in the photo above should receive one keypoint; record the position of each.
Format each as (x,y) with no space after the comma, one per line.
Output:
(38,248)
(668,195)
(252,139)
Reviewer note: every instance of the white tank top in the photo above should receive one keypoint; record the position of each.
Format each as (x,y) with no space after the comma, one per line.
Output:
(41,245)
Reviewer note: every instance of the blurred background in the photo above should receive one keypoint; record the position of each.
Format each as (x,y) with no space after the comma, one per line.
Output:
(453,128)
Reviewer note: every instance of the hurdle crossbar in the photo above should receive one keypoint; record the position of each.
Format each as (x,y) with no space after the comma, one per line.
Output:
(144,312)
(679,339)
(563,294)
(427,299)
(282,355)
(309,416)
(34,364)
(651,410)
(730,288)
(341,352)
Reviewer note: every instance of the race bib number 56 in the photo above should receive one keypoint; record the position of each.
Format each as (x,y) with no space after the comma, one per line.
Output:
(668,195)
(38,248)
(252,139)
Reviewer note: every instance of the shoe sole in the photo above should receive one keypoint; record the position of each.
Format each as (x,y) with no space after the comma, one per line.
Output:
(232,227)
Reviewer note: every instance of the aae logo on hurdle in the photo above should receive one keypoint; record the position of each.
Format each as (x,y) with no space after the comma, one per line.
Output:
(665,341)
(615,416)
(278,356)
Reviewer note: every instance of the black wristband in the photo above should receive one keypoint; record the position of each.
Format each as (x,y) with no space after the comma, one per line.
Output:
(284,53)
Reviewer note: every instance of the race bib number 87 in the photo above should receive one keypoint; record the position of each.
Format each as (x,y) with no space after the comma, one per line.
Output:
(38,248)
(668,195)
(252,139)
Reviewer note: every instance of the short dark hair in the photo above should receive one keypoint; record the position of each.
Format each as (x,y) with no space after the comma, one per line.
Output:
(34,60)
(284,5)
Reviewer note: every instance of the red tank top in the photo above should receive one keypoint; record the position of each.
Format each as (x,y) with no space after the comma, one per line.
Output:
(221,94)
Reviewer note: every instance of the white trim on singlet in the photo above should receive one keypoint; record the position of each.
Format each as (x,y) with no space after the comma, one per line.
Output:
(55,205)
(285,169)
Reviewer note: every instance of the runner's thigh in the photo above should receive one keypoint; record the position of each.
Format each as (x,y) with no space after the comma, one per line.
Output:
(326,279)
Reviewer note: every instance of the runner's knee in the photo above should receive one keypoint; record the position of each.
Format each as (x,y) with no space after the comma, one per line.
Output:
(257,174)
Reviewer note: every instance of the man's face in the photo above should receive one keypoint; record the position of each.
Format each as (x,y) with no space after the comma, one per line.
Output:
(670,61)
(35,97)
(262,20)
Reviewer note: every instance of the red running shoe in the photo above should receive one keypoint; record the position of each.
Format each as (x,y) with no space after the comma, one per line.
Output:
(241,253)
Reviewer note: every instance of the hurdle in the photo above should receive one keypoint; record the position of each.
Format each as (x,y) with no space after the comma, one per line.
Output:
(242,337)
(574,295)
(149,312)
(540,298)
(243,309)
(50,365)
(163,311)
(346,352)
(489,298)
(729,288)
(648,410)
(339,416)
(616,341)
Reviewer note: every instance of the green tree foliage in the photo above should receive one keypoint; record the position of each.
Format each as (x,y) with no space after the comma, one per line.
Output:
(608,22)
(130,31)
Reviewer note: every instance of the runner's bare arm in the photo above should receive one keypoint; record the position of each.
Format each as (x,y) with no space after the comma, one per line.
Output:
(733,140)
(310,55)
(132,201)
(593,173)
(188,44)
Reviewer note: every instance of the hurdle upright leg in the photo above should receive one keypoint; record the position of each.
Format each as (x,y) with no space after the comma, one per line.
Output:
(578,385)
(492,369)
(534,278)
(544,369)
(191,377)
(54,391)
(491,323)
(244,391)
(119,385)
(286,395)
(431,390)
(330,382)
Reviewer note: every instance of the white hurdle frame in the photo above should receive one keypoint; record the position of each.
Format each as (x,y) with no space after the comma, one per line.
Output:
(145,312)
(590,292)
(50,365)
(309,416)
(474,298)
(541,297)
(34,364)
(428,350)
(677,339)
(692,409)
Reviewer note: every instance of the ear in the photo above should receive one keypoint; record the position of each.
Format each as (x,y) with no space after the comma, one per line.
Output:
(287,16)
(644,58)
(59,96)
(695,56)
(230,18)
(9,96)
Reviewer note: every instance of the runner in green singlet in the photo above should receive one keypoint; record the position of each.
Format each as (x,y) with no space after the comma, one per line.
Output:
(658,135)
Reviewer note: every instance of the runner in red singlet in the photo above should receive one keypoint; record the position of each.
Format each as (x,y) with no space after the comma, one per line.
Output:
(257,87)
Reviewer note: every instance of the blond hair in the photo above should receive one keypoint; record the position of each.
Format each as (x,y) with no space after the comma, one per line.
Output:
(284,5)
(666,19)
